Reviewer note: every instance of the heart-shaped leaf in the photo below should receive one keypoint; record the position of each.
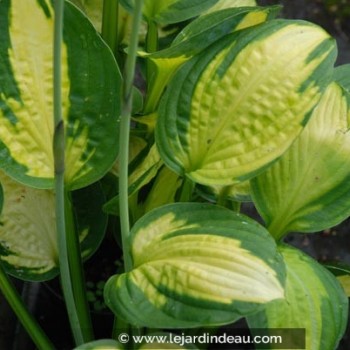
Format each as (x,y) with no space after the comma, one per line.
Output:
(195,265)
(28,242)
(90,91)
(236,107)
(308,189)
(314,301)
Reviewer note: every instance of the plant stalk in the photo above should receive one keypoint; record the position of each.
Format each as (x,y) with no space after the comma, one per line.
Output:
(129,75)
(28,321)
(152,37)
(124,136)
(59,164)
(151,46)
(186,190)
(77,271)
(110,24)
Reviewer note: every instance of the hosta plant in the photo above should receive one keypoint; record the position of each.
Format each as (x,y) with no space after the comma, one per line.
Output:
(230,104)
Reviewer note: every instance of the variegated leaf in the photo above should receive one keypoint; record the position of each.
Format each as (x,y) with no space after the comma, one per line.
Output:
(238,192)
(224,4)
(146,170)
(308,189)
(28,242)
(198,35)
(345,282)
(163,190)
(342,272)
(93,10)
(314,301)
(195,265)
(142,174)
(206,30)
(90,89)
(342,76)
(231,111)
(170,11)
(136,146)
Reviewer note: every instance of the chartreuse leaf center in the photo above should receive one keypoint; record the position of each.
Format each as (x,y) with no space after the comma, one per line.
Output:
(27,127)
(28,242)
(314,301)
(90,103)
(196,265)
(307,190)
(236,107)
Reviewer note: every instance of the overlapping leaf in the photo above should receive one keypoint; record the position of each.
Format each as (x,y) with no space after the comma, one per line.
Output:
(345,282)
(198,35)
(238,192)
(342,76)
(141,175)
(93,10)
(308,189)
(206,30)
(90,88)
(232,110)
(28,242)
(136,146)
(170,11)
(224,4)
(163,190)
(194,265)
(342,272)
(314,301)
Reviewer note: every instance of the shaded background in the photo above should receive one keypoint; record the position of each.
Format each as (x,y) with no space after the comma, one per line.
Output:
(329,245)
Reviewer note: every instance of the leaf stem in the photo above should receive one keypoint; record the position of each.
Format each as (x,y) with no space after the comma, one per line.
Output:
(151,46)
(186,190)
(28,321)
(125,133)
(236,206)
(110,24)
(66,278)
(59,164)
(227,203)
(152,37)
(77,272)
(152,71)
